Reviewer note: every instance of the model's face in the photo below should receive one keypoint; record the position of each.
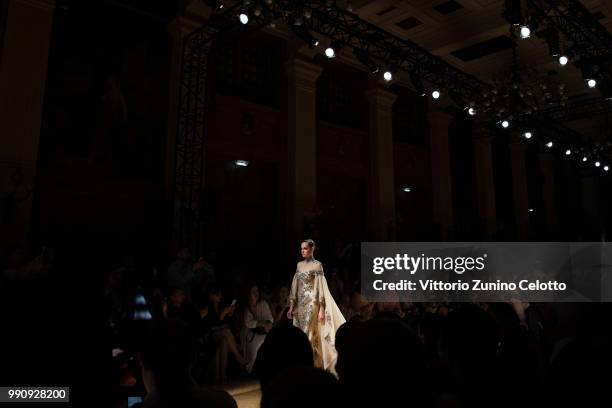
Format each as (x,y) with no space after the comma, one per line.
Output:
(305,250)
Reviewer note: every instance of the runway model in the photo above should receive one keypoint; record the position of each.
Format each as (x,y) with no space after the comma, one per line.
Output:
(313,309)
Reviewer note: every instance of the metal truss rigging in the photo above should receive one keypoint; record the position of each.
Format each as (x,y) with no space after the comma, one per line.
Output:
(189,150)
(591,42)
(344,29)
(579,109)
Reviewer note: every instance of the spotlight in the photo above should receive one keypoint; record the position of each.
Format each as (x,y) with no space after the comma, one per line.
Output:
(244,19)
(592,83)
(388,76)
(241,163)
(606,168)
(549,144)
(527,135)
(330,52)
(471,111)
(435,94)
(584,159)
(531,210)
(568,152)
(525,32)
(505,124)
(597,164)
(563,60)
(406,189)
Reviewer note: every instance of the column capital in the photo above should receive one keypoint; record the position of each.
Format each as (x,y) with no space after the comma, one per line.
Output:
(304,73)
(382,98)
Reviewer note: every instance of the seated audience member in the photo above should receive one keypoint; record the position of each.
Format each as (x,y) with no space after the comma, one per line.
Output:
(470,343)
(179,308)
(284,347)
(578,372)
(381,364)
(170,358)
(215,330)
(280,304)
(390,310)
(185,274)
(288,388)
(257,322)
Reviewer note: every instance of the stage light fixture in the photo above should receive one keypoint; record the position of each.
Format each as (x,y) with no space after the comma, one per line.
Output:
(584,159)
(333,49)
(241,163)
(549,144)
(406,189)
(244,18)
(531,210)
(563,60)
(435,94)
(606,168)
(505,124)
(527,135)
(471,111)
(592,83)
(568,152)
(388,76)
(597,164)
(525,32)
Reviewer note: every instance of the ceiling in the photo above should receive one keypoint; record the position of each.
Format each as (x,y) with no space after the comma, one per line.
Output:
(473,36)
(470,34)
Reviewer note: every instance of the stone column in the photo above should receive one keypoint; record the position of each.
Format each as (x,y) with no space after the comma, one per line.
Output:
(548,190)
(518,151)
(381,191)
(23,72)
(301,142)
(485,182)
(440,171)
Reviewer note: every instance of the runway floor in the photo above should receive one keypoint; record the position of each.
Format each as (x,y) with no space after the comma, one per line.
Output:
(246,393)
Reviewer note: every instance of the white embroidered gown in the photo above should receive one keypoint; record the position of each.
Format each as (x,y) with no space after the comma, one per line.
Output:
(309,291)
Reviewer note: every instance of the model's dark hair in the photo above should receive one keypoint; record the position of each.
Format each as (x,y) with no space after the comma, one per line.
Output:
(310,243)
